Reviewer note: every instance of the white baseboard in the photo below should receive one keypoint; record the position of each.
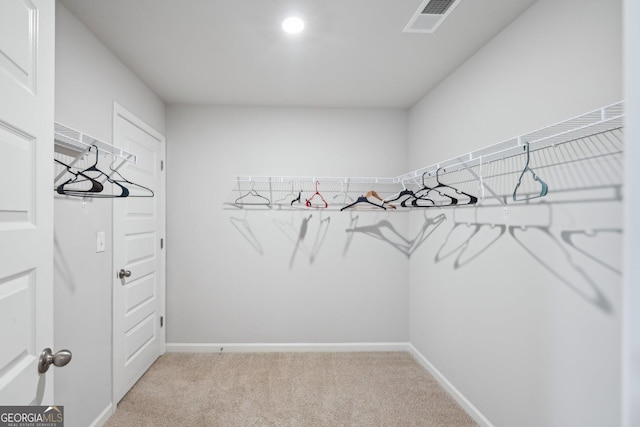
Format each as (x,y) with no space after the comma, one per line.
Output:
(284,347)
(103,417)
(450,388)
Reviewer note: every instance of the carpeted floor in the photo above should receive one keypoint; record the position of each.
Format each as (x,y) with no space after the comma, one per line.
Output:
(288,389)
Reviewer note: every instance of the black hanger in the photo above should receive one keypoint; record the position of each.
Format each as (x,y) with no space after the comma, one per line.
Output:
(454,201)
(472,199)
(123,179)
(124,192)
(362,199)
(297,199)
(418,196)
(405,192)
(96,186)
(375,195)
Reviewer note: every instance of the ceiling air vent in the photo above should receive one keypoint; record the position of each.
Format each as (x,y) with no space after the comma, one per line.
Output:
(430,15)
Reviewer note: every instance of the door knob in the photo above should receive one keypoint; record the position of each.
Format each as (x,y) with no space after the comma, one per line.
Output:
(124,273)
(47,358)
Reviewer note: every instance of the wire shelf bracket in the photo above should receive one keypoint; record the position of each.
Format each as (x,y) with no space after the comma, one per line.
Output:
(80,143)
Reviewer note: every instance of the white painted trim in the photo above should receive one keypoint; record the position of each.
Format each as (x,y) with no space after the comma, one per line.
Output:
(450,388)
(120,112)
(284,347)
(630,292)
(104,416)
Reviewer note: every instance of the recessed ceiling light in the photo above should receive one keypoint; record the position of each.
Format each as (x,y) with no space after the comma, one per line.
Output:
(293,25)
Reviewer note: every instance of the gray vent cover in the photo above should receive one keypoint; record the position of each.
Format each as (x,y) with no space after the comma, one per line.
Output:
(437,7)
(430,15)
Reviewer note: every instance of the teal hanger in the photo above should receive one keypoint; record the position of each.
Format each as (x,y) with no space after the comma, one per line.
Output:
(543,190)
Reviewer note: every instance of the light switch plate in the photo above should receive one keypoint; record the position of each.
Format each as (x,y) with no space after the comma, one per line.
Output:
(100,241)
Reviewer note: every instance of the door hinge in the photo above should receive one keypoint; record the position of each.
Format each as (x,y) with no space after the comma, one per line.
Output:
(162,243)
(161,165)
(161,321)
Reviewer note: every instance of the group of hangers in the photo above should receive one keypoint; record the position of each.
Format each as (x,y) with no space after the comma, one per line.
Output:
(322,202)
(422,198)
(253,198)
(90,182)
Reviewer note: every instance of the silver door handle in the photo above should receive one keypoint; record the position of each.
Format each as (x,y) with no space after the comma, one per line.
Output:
(47,358)
(124,273)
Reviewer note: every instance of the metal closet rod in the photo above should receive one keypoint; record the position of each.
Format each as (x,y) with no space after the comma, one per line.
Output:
(608,118)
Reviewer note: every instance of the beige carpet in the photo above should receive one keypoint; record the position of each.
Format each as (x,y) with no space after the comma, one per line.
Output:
(288,389)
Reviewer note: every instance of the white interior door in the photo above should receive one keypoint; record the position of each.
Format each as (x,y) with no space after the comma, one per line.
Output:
(138,234)
(26,198)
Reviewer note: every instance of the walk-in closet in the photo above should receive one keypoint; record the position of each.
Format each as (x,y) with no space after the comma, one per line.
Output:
(319,213)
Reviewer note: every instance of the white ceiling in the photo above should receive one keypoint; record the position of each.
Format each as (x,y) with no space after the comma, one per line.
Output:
(352,53)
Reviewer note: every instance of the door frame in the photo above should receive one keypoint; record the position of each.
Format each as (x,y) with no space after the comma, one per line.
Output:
(630,371)
(120,112)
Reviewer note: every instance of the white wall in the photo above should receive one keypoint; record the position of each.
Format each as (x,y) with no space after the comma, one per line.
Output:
(519,342)
(528,344)
(557,60)
(248,284)
(88,80)
(631,294)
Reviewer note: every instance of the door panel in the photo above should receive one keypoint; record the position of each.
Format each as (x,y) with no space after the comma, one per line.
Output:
(26,205)
(139,293)
(16,202)
(18,35)
(138,227)
(15,303)
(138,339)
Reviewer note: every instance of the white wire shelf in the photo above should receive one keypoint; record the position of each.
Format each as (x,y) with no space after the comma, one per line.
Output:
(77,141)
(75,146)
(596,122)
(589,147)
